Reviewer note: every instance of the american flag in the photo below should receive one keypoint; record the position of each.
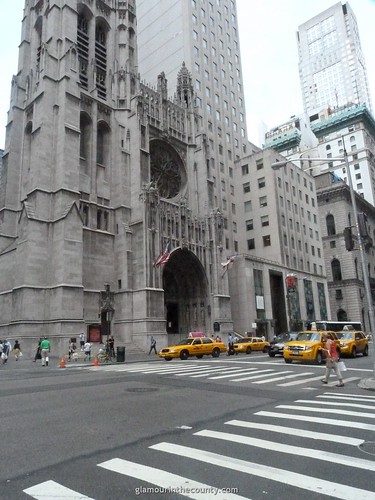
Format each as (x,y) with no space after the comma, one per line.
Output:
(164,257)
(229,261)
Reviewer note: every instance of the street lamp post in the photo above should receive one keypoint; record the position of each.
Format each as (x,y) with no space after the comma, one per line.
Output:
(362,253)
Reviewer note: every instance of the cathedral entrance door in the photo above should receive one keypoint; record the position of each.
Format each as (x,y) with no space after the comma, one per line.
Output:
(185,294)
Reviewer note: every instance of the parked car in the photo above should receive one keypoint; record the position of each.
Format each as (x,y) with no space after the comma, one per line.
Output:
(249,344)
(193,346)
(352,343)
(307,347)
(277,344)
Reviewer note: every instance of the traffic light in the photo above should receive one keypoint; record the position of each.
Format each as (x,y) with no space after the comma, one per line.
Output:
(349,242)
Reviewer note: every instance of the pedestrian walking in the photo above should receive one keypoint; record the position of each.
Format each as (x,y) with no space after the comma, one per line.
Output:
(111,347)
(17,350)
(71,349)
(7,347)
(45,349)
(332,358)
(38,353)
(87,351)
(153,345)
(230,344)
(82,340)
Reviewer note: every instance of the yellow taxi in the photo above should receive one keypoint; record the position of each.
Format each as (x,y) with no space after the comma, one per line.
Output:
(352,343)
(249,344)
(199,347)
(307,346)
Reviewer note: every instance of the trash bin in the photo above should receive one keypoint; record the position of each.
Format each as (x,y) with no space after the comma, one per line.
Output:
(120,358)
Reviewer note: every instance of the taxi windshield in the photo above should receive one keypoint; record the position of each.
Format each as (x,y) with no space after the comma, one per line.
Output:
(311,336)
(186,341)
(344,335)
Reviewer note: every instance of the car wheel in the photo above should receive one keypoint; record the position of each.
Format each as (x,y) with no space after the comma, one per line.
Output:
(354,352)
(248,350)
(319,358)
(365,352)
(184,355)
(216,352)
(199,356)
(168,359)
(271,354)
(287,360)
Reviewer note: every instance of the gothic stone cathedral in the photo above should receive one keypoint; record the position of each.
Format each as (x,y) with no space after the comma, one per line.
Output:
(100,172)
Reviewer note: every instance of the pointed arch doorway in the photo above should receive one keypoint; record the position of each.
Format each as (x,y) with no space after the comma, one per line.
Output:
(185,294)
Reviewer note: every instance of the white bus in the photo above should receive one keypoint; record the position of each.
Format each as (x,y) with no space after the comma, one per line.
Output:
(336,326)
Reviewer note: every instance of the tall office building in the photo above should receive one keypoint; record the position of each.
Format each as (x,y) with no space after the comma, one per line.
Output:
(204,35)
(331,63)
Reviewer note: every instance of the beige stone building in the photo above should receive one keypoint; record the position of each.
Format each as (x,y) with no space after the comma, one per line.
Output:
(347,294)
(100,173)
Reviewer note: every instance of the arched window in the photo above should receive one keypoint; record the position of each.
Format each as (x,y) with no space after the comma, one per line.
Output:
(336,270)
(341,315)
(102,143)
(330,222)
(101,61)
(328,147)
(83,49)
(85,137)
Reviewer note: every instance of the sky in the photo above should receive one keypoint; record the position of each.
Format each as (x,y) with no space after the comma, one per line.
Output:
(268,51)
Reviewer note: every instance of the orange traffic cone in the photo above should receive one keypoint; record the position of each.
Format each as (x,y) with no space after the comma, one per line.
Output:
(96,362)
(62,363)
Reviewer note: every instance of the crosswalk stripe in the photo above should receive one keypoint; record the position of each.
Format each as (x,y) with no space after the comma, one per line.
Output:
(328,410)
(232,372)
(333,395)
(219,370)
(284,476)
(356,396)
(319,420)
(235,374)
(262,372)
(50,490)
(323,455)
(299,382)
(168,482)
(322,436)
(334,403)
(281,377)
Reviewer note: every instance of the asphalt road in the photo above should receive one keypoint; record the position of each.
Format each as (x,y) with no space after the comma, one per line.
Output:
(252,424)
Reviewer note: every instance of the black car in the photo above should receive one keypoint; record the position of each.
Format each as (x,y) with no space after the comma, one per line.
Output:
(277,344)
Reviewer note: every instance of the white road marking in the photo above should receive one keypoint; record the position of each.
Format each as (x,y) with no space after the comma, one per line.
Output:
(350,397)
(314,484)
(328,410)
(334,438)
(184,486)
(319,420)
(335,403)
(299,382)
(219,370)
(324,455)
(282,377)
(50,490)
(263,373)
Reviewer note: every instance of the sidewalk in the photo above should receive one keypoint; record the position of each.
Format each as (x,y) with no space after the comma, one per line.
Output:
(54,361)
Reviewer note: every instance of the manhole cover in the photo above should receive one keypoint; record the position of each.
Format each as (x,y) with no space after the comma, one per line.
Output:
(368,447)
(140,389)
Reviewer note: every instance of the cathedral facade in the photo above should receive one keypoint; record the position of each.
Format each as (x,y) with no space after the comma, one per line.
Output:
(101,173)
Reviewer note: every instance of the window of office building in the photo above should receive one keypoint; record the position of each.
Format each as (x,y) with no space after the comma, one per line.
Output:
(251,244)
(247,206)
(249,225)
